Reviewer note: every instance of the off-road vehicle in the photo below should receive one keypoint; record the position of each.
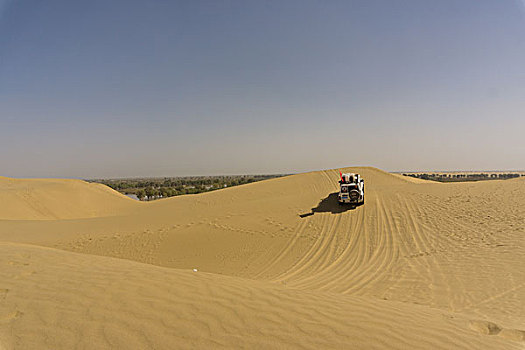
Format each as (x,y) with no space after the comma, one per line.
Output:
(352,189)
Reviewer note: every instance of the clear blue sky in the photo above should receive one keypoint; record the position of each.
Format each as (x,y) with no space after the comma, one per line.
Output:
(159,88)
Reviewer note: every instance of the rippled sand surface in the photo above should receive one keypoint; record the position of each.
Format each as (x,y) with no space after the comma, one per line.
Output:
(272,264)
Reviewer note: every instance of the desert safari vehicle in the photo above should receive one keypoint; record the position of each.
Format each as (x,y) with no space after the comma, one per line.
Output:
(352,189)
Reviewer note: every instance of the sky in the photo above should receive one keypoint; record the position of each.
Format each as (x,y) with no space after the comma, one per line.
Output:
(92,89)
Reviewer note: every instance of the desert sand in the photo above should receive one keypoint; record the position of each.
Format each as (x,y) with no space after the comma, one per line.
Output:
(272,264)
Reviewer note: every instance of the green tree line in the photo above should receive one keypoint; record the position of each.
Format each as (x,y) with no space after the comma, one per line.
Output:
(155,188)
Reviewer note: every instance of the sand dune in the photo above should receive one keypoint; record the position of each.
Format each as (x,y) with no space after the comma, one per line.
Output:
(67,300)
(50,199)
(280,264)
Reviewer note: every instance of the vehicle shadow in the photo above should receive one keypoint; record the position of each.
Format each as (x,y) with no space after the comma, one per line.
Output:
(330,205)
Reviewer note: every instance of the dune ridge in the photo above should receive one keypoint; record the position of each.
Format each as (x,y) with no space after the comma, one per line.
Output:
(54,199)
(279,264)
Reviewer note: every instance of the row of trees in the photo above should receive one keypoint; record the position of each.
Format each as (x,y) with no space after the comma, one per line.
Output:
(154,188)
(150,193)
(463,177)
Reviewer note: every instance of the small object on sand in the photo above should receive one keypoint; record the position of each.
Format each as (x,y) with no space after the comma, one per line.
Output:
(194,270)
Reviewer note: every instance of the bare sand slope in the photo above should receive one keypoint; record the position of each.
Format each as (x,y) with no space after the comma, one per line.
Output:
(449,256)
(50,199)
(52,299)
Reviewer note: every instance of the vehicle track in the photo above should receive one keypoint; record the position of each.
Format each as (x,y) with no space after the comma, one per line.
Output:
(351,251)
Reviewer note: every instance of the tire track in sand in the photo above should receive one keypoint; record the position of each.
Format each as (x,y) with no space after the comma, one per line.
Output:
(285,250)
(308,258)
(384,253)
(347,260)
(369,254)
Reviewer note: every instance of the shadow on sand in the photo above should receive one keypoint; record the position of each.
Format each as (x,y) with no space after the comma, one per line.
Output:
(330,205)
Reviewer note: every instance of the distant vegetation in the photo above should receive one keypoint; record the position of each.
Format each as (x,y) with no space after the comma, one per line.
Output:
(457,177)
(155,188)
